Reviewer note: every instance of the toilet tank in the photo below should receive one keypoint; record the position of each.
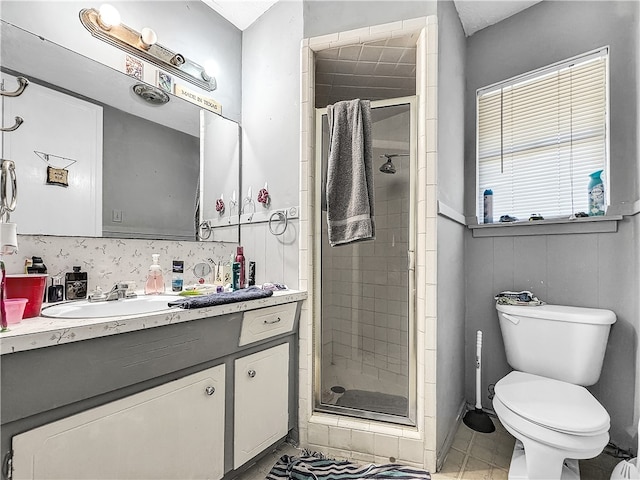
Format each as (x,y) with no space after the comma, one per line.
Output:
(555,341)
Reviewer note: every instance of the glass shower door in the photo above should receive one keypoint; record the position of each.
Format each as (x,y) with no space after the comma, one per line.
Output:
(366,366)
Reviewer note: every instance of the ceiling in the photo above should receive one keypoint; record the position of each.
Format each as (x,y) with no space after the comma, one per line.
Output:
(372,70)
(474,14)
(478,14)
(242,13)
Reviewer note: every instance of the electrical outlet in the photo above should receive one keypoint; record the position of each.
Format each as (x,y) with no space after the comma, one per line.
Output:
(116,216)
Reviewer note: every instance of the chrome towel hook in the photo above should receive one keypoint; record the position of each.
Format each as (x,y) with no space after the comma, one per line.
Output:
(15,126)
(22,84)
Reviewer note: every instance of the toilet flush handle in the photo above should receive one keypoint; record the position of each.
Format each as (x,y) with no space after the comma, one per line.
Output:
(511,318)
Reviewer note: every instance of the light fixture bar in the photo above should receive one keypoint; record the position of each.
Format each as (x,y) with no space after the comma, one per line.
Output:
(129,40)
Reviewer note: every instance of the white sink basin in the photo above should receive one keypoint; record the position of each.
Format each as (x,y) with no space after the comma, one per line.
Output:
(115,308)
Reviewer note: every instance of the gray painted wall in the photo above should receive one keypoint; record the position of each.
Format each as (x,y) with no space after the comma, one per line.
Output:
(325,17)
(592,270)
(148,161)
(450,354)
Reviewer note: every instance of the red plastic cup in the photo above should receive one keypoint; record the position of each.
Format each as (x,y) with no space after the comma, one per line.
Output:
(31,287)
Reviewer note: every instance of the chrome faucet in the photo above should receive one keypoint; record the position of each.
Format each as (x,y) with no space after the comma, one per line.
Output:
(118,292)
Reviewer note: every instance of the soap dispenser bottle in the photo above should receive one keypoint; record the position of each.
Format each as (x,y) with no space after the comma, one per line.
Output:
(155,280)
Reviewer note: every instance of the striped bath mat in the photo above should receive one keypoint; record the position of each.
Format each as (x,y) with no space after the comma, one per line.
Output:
(313,466)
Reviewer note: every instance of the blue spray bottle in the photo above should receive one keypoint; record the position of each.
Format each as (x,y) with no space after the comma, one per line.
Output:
(596,194)
(487,205)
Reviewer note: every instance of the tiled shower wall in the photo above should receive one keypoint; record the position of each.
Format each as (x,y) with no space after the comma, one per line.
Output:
(111,260)
(365,285)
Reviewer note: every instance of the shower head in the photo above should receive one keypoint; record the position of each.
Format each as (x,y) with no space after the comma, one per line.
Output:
(388,166)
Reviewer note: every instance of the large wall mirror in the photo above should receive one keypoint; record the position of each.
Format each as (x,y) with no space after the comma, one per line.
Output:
(135,169)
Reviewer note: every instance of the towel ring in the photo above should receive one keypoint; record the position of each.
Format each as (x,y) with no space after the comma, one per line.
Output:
(281,216)
(205,230)
(8,172)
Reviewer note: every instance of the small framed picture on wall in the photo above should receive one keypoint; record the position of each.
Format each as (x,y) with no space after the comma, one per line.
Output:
(164,81)
(134,67)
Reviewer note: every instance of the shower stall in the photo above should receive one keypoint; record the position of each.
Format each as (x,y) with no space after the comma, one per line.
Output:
(365,339)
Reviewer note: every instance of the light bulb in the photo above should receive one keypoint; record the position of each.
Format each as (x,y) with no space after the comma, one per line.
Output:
(148,37)
(108,16)
(210,70)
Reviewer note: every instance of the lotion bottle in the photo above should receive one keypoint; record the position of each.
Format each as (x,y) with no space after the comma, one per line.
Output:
(155,279)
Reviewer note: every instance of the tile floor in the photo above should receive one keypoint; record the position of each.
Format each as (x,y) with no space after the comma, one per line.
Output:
(485,456)
(472,456)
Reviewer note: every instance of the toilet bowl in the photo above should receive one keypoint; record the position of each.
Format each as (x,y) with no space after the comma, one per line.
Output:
(556,351)
(553,420)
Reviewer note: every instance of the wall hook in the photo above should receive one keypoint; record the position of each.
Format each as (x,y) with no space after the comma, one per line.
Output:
(19,121)
(22,84)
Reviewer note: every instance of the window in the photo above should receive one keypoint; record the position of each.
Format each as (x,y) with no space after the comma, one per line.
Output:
(540,135)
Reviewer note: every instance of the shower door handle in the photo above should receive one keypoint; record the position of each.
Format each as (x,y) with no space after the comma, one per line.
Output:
(411,260)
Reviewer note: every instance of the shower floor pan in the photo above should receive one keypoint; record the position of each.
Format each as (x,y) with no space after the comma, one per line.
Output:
(374,402)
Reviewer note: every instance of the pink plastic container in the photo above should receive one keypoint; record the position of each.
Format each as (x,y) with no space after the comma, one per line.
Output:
(31,287)
(15,309)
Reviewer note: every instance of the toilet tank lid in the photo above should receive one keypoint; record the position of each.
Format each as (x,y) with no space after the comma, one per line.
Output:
(595,316)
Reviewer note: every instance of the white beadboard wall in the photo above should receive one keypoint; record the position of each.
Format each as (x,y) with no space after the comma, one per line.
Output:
(276,256)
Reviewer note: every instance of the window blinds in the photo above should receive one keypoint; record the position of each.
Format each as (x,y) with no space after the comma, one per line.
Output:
(540,136)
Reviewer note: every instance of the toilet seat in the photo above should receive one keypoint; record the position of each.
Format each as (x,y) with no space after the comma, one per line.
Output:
(576,446)
(551,404)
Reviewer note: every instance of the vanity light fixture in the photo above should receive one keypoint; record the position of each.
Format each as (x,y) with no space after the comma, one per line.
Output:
(105,25)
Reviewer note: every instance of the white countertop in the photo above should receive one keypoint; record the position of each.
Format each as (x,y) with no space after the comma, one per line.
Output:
(40,332)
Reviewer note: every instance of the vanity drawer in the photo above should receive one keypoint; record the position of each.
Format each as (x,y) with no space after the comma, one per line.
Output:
(267,322)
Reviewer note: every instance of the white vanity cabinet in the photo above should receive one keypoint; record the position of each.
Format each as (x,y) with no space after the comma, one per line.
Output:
(193,399)
(261,400)
(174,431)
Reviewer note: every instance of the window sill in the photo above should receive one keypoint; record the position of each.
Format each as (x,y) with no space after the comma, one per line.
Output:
(604,224)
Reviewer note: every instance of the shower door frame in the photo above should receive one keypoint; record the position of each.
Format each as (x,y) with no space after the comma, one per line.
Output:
(412,399)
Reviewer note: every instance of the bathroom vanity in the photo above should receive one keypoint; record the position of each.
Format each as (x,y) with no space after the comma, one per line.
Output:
(179,394)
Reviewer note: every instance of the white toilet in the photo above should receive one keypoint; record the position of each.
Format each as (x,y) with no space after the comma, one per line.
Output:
(556,351)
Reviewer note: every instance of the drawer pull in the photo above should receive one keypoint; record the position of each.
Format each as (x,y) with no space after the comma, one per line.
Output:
(271,322)
(209,390)
(251,373)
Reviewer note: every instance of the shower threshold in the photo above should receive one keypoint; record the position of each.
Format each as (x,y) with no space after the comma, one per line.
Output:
(365,414)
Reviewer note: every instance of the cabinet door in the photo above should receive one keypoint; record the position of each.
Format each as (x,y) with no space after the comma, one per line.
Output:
(261,402)
(174,431)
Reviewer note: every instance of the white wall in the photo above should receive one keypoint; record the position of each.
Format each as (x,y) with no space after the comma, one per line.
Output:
(271,136)
(591,270)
